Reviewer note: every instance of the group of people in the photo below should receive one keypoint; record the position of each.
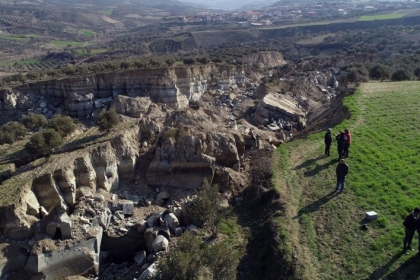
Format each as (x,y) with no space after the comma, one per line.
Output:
(411,224)
(343,144)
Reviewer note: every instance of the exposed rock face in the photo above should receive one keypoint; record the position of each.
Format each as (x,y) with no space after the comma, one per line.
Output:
(267,59)
(181,163)
(85,94)
(97,167)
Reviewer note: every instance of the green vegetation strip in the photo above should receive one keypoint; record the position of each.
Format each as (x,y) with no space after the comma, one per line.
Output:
(12,38)
(65,43)
(88,33)
(382,17)
(384,176)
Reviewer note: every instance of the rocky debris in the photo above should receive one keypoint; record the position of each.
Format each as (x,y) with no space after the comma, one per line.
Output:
(59,223)
(136,186)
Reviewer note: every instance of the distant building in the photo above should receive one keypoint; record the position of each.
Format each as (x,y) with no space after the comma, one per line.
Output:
(265,22)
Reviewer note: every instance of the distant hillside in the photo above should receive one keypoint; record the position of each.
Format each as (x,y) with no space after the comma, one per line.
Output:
(289,2)
(233,4)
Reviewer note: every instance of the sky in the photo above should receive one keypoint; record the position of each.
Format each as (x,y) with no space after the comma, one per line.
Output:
(231,4)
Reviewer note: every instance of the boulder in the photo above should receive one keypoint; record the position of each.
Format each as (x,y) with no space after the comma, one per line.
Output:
(141,226)
(153,220)
(171,220)
(72,259)
(134,107)
(128,208)
(178,231)
(140,258)
(160,243)
(149,237)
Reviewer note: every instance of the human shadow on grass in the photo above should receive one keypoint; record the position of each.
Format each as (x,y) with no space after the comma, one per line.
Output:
(407,270)
(314,206)
(308,162)
(318,167)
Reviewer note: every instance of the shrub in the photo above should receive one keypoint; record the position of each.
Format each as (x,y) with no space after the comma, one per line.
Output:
(401,75)
(107,120)
(191,260)
(11,131)
(33,121)
(206,208)
(379,72)
(189,61)
(62,124)
(183,262)
(176,133)
(44,142)
(194,104)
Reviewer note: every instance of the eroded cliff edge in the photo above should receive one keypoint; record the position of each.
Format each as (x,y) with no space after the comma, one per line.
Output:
(103,190)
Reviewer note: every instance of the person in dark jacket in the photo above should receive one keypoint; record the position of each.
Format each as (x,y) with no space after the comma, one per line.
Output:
(341,140)
(410,224)
(341,171)
(327,141)
(347,143)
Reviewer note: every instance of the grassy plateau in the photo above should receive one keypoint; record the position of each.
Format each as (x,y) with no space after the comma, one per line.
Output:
(323,226)
(382,16)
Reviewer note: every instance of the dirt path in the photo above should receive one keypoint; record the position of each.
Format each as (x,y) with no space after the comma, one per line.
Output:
(296,187)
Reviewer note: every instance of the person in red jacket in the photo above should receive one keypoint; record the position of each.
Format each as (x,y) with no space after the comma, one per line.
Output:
(347,143)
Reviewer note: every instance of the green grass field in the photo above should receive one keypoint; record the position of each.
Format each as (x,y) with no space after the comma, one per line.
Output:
(83,52)
(12,38)
(88,33)
(384,175)
(106,12)
(382,16)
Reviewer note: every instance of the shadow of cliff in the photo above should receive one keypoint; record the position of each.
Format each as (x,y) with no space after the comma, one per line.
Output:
(16,258)
(81,143)
(260,213)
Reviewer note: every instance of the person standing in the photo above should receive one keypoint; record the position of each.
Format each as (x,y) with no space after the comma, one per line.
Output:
(410,223)
(347,143)
(328,141)
(341,171)
(341,139)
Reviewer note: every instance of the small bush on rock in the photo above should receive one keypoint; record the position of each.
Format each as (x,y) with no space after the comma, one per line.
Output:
(206,208)
(62,124)
(33,121)
(107,120)
(192,259)
(176,133)
(11,131)
(44,142)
